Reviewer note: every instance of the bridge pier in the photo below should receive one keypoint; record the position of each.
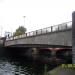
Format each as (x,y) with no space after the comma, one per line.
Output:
(35,53)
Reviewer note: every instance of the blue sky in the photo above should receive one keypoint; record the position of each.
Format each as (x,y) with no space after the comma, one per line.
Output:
(39,13)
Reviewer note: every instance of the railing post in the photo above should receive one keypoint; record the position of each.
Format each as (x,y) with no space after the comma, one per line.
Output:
(51,28)
(58,27)
(46,30)
(26,34)
(41,31)
(66,26)
(36,32)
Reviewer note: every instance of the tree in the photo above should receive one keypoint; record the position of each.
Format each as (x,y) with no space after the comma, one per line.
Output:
(19,31)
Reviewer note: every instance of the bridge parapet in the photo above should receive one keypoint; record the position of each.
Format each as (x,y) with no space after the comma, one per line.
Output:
(54,35)
(60,27)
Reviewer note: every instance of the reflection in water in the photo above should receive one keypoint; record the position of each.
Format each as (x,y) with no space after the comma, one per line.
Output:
(12,66)
(14,62)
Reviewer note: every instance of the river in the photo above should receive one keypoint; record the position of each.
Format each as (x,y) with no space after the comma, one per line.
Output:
(13,64)
(19,66)
(16,65)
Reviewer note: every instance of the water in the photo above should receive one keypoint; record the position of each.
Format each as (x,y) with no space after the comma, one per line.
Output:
(11,63)
(18,65)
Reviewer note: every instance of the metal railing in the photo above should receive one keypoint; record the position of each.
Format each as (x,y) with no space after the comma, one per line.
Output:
(59,27)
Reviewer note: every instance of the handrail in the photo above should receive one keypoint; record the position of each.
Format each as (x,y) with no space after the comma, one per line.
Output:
(50,29)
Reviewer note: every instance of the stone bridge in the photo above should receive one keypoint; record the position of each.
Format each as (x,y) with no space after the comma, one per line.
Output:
(54,35)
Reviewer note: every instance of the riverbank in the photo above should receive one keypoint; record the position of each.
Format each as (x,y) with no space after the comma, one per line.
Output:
(62,71)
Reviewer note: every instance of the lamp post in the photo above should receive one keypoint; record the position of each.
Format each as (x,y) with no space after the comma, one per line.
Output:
(24,20)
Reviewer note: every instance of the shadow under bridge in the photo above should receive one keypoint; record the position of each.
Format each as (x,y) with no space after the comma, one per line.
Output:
(42,53)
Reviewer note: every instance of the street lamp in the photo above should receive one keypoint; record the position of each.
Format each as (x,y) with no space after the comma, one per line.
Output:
(24,20)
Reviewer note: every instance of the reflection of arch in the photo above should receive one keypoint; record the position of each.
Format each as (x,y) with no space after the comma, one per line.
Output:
(57,55)
(45,52)
(64,54)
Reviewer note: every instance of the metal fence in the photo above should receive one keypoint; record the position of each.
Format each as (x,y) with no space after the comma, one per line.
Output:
(59,27)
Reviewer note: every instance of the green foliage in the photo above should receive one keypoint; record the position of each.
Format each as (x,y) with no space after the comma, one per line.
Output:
(19,31)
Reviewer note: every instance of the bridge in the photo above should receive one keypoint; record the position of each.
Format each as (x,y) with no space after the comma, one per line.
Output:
(60,35)
(52,44)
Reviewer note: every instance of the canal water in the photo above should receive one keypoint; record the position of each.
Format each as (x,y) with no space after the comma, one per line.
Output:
(11,63)
(16,65)
(19,67)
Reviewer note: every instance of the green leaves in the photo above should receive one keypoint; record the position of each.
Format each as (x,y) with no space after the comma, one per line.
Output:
(19,31)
